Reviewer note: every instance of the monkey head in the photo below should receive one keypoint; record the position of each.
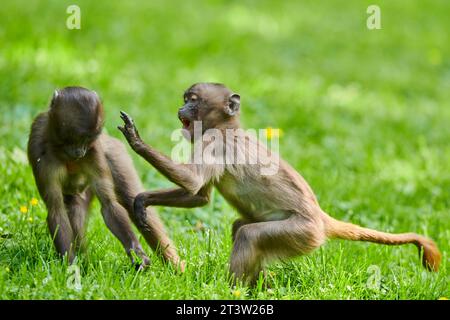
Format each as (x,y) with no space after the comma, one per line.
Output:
(75,121)
(211,103)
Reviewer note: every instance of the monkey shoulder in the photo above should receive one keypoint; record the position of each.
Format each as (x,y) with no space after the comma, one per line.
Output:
(39,127)
(37,141)
(110,144)
(114,150)
(40,120)
(118,160)
(44,163)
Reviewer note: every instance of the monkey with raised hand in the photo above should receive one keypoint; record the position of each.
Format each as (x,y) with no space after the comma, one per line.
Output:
(280,215)
(72,160)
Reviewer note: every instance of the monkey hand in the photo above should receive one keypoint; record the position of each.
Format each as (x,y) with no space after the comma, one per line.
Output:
(139,259)
(129,130)
(142,265)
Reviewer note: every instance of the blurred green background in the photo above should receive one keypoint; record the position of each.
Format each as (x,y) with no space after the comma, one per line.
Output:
(365,115)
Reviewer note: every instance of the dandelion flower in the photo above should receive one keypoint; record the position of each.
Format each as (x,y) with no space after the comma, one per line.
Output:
(23,209)
(273,133)
(34,202)
(443,298)
(236,293)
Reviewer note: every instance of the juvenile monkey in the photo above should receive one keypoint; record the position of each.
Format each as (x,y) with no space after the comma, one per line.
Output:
(72,160)
(280,215)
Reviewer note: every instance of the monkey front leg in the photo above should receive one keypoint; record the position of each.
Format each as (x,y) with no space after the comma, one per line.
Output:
(59,224)
(170,198)
(179,174)
(179,198)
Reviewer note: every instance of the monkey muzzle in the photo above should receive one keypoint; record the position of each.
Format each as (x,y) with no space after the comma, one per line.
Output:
(75,153)
(184,118)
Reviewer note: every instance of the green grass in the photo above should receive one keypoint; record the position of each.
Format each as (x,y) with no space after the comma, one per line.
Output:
(365,115)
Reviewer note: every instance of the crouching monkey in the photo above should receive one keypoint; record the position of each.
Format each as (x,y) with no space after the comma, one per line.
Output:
(280,216)
(72,160)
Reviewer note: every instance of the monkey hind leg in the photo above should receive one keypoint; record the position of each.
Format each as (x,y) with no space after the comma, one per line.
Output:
(77,207)
(256,244)
(127,186)
(431,257)
(236,225)
(155,235)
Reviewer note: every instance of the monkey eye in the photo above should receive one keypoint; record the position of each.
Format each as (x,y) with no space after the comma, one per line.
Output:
(194,97)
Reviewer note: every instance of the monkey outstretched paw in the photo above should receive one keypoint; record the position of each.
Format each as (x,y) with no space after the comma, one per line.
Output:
(129,130)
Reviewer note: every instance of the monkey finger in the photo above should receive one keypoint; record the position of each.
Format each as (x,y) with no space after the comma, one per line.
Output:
(125,132)
(123,114)
(126,118)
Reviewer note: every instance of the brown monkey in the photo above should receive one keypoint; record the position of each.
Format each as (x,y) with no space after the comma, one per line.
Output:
(72,160)
(280,214)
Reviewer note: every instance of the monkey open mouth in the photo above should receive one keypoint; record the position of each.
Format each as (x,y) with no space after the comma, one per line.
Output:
(186,122)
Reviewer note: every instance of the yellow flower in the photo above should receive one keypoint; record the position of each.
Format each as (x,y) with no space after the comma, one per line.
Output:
(34,202)
(273,133)
(237,293)
(23,209)
(443,298)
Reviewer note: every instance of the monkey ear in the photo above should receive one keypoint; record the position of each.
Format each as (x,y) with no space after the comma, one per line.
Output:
(233,105)
(55,96)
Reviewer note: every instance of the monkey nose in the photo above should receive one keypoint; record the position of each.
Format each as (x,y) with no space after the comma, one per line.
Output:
(80,153)
(76,154)
(182,113)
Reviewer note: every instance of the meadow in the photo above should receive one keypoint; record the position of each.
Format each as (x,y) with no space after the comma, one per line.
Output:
(365,117)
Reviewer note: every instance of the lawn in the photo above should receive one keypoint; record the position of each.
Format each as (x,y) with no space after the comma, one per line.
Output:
(365,116)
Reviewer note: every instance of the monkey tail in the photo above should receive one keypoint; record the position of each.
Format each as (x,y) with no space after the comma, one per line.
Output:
(431,257)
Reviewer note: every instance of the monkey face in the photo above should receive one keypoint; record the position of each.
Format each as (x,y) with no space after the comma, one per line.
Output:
(189,112)
(75,150)
(75,146)
(211,103)
(75,121)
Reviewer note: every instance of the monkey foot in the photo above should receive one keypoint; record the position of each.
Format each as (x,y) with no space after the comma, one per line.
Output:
(181,267)
(143,265)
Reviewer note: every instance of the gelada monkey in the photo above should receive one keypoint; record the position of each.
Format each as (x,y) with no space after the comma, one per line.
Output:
(280,215)
(72,160)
